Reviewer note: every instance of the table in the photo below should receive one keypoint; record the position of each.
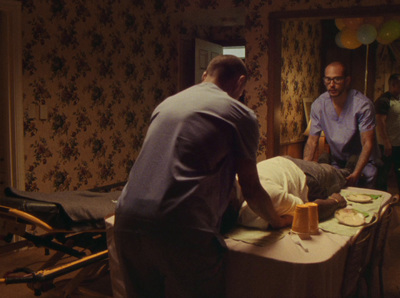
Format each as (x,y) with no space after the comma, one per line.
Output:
(283,269)
(279,268)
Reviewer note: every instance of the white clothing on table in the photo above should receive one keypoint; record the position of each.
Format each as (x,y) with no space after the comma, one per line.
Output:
(285,183)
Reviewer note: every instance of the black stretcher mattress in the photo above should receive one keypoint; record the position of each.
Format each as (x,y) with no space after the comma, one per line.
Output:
(70,210)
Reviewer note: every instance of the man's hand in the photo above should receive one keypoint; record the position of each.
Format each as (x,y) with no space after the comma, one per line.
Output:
(339,199)
(327,207)
(286,220)
(352,179)
(387,149)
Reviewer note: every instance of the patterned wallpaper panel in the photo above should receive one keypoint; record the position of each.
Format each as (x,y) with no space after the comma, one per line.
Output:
(300,74)
(99,68)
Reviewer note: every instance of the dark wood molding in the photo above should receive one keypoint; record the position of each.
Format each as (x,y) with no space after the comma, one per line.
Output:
(345,12)
(274,88)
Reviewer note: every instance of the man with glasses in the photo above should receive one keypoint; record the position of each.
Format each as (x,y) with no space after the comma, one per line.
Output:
(347,118)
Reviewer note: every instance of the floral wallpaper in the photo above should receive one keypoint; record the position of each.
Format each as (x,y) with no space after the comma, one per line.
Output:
(99,68)
(300,74)
(94,70)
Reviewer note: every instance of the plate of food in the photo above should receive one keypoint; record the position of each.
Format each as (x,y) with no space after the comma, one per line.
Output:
(350,217)
(359,198)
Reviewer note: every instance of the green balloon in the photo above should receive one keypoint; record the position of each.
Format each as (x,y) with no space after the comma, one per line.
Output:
(366,34)
(389,31)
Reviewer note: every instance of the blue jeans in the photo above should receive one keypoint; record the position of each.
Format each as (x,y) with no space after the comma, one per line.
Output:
(368,175)
(322,179)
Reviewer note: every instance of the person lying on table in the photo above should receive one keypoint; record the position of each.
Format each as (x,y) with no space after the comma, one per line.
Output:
(291,181)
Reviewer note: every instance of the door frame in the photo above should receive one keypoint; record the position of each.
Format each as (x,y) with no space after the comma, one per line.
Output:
(205,51)
(13,39)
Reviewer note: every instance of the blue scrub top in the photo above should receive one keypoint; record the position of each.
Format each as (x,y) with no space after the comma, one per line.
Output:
(343,132)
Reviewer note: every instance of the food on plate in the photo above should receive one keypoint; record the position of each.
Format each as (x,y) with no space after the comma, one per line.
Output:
(349,217)
(359,198)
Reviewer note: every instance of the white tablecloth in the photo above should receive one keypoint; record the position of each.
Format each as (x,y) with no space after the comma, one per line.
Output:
(284,269)
(279,268)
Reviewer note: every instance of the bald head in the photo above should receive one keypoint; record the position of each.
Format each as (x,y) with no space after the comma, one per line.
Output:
(339,66)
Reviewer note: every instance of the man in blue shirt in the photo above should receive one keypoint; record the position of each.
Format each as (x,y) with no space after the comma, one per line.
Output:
(347,118)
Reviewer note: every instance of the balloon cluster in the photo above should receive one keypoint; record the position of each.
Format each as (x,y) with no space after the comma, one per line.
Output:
(354,32)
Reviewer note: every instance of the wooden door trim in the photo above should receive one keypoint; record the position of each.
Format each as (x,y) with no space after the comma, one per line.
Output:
(12,10)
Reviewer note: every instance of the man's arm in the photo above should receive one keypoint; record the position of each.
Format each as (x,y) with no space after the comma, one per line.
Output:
(257,198)
(382,130)
(327,207)
(311,145)
(367,142)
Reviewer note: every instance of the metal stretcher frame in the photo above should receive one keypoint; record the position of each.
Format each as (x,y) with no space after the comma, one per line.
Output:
(88,247)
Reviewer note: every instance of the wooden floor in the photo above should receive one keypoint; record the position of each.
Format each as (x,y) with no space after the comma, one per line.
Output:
(33,258)
(101,285)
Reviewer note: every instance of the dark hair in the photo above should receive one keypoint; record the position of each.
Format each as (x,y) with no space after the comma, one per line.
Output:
(393,78)
(226,68)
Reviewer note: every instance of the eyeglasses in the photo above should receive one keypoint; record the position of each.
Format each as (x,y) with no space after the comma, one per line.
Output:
(336,80)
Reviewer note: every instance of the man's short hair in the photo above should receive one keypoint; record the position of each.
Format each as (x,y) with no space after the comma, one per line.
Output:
(344,67)
(226,68)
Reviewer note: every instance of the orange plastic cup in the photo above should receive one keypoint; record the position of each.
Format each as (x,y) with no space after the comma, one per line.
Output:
(301,220)
(313,218)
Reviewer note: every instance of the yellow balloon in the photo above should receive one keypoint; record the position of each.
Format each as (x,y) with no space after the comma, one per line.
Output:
(349,39)
(353,23)
(339,23)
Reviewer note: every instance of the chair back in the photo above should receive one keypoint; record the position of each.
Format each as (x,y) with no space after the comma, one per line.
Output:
(385,215)
(358,257)
(379,245)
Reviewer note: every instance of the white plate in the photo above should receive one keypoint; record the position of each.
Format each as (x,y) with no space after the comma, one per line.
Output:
(359,198)
(349,217)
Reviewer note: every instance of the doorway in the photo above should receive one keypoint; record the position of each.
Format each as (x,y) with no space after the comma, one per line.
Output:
(195,55)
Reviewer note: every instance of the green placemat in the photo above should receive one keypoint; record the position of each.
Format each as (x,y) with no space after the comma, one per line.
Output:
(256,236)
(367,209)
